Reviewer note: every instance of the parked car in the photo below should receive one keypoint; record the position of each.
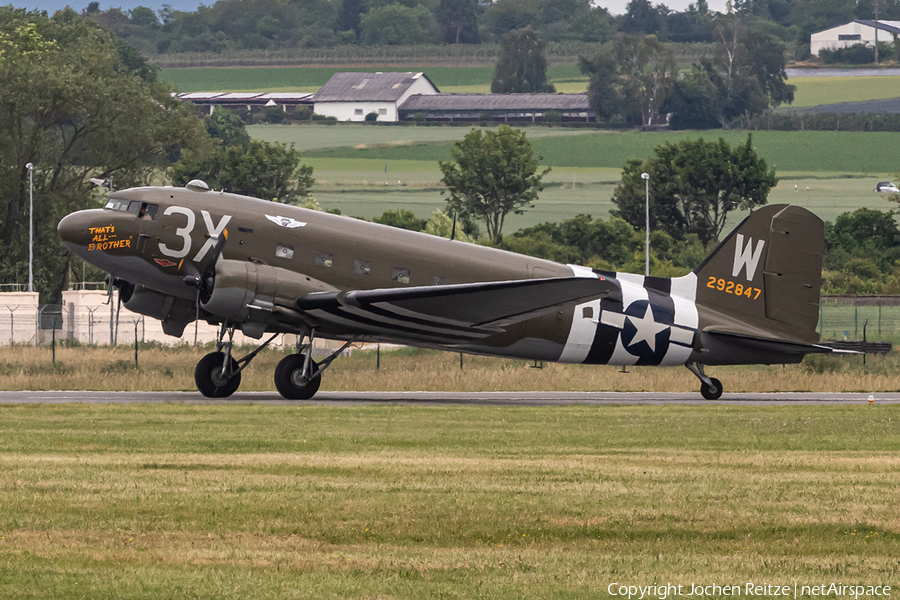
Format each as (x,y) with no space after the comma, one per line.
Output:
(886,186)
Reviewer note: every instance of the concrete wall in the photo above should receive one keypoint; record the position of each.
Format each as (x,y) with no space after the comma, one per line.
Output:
(18,317)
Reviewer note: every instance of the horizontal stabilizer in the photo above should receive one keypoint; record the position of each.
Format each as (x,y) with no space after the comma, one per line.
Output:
(452,313)
(752,342)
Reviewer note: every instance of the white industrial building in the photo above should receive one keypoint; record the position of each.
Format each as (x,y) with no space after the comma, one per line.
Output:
(352,96)
(856,32)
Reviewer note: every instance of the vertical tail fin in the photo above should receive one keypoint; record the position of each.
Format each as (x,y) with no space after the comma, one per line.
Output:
(764,278)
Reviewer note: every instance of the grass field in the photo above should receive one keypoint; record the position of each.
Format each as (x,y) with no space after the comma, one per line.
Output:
(112,369)
(812,91)
(244,502)
(834,172)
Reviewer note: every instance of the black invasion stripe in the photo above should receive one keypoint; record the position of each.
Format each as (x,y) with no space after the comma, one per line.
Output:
(381,327)
(660,284)
(384,312)
(385,320)
(605,337)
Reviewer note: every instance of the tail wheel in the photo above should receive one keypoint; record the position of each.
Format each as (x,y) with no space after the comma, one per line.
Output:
(211,381)
(289,379)
(711,392)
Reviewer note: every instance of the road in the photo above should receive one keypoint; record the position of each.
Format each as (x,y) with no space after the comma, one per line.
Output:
(449,398)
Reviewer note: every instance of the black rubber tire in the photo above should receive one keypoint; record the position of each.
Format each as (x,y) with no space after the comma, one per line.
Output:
(284,378)
(712,393)
(207,384)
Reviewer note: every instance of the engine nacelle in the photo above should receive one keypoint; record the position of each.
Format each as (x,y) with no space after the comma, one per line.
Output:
(175,313)
(246,292)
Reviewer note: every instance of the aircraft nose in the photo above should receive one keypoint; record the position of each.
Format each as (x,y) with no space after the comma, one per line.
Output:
(73,228)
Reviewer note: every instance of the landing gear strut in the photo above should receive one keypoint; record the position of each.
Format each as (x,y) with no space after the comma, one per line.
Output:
(218,374)
(710,387)
(298,376)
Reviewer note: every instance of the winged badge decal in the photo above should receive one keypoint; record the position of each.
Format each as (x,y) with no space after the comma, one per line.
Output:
(288,222)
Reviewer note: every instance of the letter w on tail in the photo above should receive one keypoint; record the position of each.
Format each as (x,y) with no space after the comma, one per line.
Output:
(745,257)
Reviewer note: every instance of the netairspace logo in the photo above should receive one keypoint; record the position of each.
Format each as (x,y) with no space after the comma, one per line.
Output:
(663,591)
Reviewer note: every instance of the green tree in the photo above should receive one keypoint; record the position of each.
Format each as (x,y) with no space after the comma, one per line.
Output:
(631,80)
(694,186)
(404,219)
(262,170)
(396,24)
(492,174)
(228,127)
(77,106)
(458,20)
(521,68)
(696,101)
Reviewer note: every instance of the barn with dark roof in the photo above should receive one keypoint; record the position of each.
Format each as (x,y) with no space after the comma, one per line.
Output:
(532,108)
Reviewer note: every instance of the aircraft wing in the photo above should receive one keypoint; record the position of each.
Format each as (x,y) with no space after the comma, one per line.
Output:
(450,313)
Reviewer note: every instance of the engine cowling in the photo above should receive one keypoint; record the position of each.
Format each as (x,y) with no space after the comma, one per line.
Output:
(175,313)
(247,292)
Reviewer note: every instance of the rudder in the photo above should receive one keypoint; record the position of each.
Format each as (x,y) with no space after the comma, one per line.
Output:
(764,278)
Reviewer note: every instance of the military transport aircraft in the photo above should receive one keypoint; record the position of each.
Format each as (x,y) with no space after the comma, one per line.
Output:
(180,254)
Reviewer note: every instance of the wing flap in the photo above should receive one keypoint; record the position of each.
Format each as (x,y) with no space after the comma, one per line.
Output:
(460,312)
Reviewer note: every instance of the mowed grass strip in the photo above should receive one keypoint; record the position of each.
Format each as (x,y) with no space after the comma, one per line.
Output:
(804,151)
(459,502)
(112,369)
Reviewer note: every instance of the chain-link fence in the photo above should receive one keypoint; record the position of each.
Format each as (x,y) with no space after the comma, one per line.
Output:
(840,317)
(847,316)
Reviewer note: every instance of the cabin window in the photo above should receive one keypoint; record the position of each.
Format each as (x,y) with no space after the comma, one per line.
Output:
(587,312)
(400,275)
(362,267)
(438,280)
(148,211)
(284,251)
(323,259)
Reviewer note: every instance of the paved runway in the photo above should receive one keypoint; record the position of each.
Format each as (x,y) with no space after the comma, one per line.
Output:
(448,398)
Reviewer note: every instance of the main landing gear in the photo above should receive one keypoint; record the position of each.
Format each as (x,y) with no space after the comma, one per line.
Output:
(710,387)
(297,377)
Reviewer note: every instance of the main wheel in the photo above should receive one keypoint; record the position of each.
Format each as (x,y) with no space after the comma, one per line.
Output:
(713,392)
(209,379)
(289,380)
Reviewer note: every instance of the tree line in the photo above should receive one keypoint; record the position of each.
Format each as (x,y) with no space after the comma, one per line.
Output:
(229,25)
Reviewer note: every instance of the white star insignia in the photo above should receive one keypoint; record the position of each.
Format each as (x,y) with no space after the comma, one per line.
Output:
(647,329)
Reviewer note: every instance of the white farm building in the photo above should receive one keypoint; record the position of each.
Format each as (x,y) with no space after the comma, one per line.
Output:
(352,96)
(855,32)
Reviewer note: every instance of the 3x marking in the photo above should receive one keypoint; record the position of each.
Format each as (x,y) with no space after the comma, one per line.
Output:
(213,231)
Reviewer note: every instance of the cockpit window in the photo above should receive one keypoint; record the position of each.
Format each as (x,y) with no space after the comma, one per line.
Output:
(119,204)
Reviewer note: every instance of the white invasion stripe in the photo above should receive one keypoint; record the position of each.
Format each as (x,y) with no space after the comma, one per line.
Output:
(632,290)
(582,331)
(684,294)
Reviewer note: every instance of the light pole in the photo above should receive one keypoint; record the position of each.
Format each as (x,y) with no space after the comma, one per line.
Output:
(30,168)
(646,178)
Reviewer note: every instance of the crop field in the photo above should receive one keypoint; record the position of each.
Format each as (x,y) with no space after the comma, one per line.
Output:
(245,502)
(812,91)
(365,170)
(567,78)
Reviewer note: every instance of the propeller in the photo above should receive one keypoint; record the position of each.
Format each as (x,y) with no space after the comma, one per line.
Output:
(203,277)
